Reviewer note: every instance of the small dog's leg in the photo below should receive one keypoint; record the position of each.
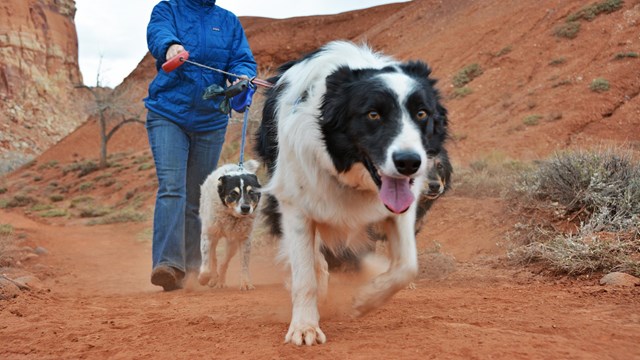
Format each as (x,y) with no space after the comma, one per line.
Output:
(232,248)
(298,245)
(403,269)
(208,252)
(322,271)
(245,279)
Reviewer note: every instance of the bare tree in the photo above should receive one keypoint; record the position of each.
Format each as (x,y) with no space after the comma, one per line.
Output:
(113,109)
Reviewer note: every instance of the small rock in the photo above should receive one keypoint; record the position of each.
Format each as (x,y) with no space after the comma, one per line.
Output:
(619,279)
(28,282)
(8,290)
(40,250)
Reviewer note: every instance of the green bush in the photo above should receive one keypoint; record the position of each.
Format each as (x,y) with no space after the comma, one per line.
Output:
(6,229)
(20,201)
(590,12)
(567,30)
(619,56)
(461,92)
(599,85)
(557,61)
(466,75)
(126,215)
(531,120)
(56,198)
(54,213)
(85,186)
(145,166)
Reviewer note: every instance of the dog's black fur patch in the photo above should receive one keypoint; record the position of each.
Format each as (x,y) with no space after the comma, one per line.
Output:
(242,189)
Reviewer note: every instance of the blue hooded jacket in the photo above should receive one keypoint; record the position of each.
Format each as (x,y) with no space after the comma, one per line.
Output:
(214,37)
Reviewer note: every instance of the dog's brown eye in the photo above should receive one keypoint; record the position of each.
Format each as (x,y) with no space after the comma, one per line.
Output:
(421,115)
(373,115)
(439,166)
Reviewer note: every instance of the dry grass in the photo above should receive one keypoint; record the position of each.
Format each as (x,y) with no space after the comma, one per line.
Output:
(580,213)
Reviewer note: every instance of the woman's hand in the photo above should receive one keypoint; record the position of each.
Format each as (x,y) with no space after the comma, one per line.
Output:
(174,50)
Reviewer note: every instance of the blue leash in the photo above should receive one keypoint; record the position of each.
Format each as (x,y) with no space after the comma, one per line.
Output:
(241,103)
(244,137)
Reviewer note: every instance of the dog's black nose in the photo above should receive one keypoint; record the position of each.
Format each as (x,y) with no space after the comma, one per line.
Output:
(434,187)
(245,208)
(406,162)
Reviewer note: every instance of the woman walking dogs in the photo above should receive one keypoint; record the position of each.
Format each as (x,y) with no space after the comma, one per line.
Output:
(186,132)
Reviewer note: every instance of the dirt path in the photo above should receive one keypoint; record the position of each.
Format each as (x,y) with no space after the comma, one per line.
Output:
(100,305)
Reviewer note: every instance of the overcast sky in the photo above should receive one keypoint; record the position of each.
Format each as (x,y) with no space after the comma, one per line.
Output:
(115,30)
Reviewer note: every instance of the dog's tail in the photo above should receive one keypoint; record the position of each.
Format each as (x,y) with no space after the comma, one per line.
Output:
(252,165)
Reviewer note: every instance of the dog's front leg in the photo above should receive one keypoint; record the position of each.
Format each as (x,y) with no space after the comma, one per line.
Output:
(232,248)
(245,279)
(402,270)
(298,245)
(208,267)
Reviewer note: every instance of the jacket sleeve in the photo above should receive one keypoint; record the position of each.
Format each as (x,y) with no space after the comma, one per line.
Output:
(242,61)
(161,31)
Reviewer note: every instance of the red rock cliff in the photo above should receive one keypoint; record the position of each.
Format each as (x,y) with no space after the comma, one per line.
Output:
(38,71)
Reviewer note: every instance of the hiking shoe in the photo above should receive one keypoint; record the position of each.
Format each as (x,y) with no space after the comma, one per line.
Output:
(168,277)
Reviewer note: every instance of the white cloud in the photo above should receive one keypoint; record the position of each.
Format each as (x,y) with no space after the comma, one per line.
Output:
(115,30)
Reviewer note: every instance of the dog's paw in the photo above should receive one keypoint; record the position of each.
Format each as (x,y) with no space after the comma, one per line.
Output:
(308,335)
(218,285)
(246,287)
(412,286)
(204,278)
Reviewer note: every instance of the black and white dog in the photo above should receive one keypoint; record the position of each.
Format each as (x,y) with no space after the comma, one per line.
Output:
(228,198)
(348,136)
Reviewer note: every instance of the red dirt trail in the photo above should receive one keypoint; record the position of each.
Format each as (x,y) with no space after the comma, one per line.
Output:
(95,301)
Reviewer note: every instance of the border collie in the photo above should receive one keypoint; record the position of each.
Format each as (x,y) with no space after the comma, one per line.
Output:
(348,136)
(228,199)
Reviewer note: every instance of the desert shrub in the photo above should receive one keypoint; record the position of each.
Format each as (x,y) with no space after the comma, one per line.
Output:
(461,92)
(590,12)
(531,120)
(6,229)
(141,159)
(580,213)
(557,61)
(504,51)
(567,30)
(561,83)
(145,166)
(20,201)
(126,215)
(53,213)
(619,56)
(599,85)
(85,186)
(487,176)
(41,207)
(3,189)
(83,168)
(94,211)
(56,198)
(466,75)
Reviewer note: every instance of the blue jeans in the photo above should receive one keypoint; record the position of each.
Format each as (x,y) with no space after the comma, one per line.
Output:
(183,161)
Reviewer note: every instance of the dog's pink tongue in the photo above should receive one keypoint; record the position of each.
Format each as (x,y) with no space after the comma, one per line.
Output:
(396,194)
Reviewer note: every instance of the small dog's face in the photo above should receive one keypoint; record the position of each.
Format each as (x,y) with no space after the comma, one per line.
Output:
(438,177)
(241,193)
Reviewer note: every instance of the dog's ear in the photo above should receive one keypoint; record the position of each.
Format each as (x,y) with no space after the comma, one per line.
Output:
(333,102)
(222,180)
(418,69)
